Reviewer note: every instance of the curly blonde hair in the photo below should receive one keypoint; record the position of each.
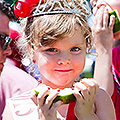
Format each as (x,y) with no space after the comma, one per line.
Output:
(47,29)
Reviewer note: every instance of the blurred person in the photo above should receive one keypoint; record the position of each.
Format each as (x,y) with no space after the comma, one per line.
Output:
(104,36)
(11,82)
(4,35)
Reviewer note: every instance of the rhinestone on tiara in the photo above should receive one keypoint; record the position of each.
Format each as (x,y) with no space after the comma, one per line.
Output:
(50,11)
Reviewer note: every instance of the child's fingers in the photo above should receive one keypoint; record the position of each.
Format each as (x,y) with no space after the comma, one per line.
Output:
(88,88)
(38,88)
(98,22)
(50,98)
(93,2)
(80,91)
(34,98)
(98,6)
(41,97)
(78,95)
(111,23)
(105,18)
(80,86)
(91,84)
(55,106)
(100,16)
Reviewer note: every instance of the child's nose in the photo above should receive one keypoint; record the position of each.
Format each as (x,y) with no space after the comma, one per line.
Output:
(63,62)
(8,51)
(64,59)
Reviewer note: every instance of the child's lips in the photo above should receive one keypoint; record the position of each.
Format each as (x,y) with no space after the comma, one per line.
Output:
(64,70)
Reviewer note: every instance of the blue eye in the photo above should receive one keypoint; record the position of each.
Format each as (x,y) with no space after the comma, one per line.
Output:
(75,49)
(52,51)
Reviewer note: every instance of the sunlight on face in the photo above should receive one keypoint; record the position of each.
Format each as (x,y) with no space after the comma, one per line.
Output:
(62,62)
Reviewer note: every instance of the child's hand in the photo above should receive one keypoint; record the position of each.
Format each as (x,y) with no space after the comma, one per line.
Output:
(47,110)
(85,100)
(102,30)
(96,4)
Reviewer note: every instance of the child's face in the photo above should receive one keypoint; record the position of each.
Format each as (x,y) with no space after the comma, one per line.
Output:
(61,63)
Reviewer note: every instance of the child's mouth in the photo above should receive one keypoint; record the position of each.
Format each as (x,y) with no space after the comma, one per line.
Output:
(64,70)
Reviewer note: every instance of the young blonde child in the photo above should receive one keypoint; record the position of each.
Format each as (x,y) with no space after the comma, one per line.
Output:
(57,43)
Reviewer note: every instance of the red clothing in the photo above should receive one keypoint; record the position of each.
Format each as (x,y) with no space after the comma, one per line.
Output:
(116,75)
(70,114)
(16,56)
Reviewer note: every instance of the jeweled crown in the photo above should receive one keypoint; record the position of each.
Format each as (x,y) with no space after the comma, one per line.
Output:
(62,10)
(27,8)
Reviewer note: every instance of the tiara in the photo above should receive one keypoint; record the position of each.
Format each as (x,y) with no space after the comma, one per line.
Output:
(33,8)
(50,11)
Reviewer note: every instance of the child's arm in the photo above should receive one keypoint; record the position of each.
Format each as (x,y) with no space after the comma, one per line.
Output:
(104,106)
(103,37)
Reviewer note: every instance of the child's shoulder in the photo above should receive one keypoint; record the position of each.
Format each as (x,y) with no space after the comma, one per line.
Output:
(102,97)
(101,94)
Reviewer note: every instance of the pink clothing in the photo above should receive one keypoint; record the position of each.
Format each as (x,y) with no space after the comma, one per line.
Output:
(116,59)
(116,75)
(18,104)
(14,81)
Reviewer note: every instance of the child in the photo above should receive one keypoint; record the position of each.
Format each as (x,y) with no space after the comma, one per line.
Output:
(57,43)
(104,37)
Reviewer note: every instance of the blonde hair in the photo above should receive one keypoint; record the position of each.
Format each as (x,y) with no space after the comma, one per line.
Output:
(47,29)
